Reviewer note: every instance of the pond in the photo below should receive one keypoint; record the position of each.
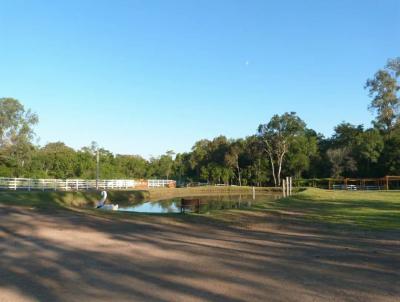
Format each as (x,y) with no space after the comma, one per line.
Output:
(198,204)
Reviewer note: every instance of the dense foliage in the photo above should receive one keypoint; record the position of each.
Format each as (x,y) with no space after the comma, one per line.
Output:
(282,146)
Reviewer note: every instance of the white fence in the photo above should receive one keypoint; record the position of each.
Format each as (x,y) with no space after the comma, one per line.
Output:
(78,184)
(157,183)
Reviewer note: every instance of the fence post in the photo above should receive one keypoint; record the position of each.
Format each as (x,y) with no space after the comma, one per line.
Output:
(15,184)
(283,188)
(29,184)
(66,185)
(287,186)
(55,184)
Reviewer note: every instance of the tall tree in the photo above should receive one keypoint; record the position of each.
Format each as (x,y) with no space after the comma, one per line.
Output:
(390,155)
(383,88)
(367,151)
(341,162)
(277,136)
(59,160)
(232,157)
(393,65)
(16,134)
(304,149)
(346,134)
(16,123)
(255,160)
(166,163)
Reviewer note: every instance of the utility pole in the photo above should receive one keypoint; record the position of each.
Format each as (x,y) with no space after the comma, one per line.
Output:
(97,168)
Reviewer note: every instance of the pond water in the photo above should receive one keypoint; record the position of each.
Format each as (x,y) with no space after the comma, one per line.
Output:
(198,204)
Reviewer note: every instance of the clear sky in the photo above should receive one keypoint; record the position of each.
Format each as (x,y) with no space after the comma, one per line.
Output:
(144,77)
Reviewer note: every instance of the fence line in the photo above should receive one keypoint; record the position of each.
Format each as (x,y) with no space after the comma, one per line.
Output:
(156,183)
(80,184)
(389,182)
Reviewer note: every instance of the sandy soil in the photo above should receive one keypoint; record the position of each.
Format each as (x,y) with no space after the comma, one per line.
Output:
(71,256)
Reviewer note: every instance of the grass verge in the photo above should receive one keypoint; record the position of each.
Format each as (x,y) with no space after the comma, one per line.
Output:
(366,209)
(379,210)
(54,200)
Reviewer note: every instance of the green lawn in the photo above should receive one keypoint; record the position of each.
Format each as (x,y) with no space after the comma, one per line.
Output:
(366,209)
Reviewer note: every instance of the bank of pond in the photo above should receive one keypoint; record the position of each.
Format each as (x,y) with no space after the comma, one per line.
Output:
(185,200)
(198,204)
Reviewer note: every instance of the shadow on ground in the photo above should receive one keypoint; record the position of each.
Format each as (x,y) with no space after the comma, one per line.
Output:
(71,256)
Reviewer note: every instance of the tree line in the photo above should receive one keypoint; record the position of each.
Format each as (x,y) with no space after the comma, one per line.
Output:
(284,145)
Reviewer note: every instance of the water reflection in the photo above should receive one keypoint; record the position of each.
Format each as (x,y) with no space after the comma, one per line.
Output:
(199,204)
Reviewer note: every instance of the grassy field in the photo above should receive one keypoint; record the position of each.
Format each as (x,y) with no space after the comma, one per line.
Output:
(369,210)
(366,210)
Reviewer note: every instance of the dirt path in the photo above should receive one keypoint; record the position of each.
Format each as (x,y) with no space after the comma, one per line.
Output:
(77,257)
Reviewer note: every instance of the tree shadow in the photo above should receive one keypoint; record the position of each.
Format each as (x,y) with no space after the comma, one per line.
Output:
(77,256)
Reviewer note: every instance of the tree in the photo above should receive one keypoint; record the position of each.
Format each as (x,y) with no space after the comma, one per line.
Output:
(235,150)
(166,163)
(255,169)
(389,160)
(304,148)
(16,123)
(59,160)
(198,156)
(342,162)
(16,134)
(346,134)
(85,163)
(130,166)
(282,145)
(277,136)
(368,149)
(182,167)
(393,65)
(383,88)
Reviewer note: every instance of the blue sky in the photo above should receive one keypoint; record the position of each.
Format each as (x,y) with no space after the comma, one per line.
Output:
(144,77)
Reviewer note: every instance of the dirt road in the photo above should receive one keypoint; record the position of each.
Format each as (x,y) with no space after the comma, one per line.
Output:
(71,256)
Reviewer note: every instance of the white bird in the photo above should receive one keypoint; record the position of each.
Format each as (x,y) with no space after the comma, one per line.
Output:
(101,203)
(112,207)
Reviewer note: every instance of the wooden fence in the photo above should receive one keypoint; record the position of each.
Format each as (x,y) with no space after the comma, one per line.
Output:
(80,184)
(389,182)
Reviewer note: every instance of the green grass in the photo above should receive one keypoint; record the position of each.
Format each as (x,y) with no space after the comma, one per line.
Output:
(368,210)
(379,210)
(164,193)
(57,200)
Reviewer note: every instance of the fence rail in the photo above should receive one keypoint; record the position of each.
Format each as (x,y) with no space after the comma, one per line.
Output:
(156,183)
(80,184)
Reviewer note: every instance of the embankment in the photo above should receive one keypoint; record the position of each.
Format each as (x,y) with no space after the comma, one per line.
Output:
(54,199)
(49,199)
(164,193)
